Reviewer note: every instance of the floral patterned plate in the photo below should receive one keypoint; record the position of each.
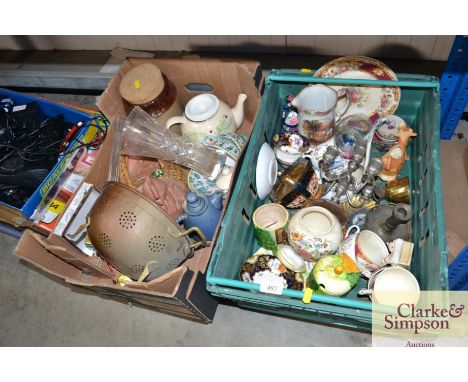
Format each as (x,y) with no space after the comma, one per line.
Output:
(374,101)
(265,267)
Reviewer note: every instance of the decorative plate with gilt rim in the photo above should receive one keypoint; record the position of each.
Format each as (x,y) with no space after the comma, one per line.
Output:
(374,101)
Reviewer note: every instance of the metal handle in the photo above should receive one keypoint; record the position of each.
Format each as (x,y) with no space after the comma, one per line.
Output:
(149,267)
(365,292)
(72,236)
(201,235)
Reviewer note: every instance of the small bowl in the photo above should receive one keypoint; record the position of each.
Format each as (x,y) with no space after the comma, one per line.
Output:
(389,129)
(289,146)
(392,286)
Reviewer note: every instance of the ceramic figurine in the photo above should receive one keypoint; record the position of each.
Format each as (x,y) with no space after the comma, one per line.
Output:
(203,212)
(206,114)
(314,232)
(401,253)
(390,222)
(334,275)
(394,159)
(289,115)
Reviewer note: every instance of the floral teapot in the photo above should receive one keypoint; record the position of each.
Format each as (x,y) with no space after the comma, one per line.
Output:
(206,114)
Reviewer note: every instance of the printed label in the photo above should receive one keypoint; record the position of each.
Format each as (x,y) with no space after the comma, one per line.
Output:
(272,287)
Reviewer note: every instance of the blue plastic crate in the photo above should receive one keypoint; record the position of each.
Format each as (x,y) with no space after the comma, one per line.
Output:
(458,271)
(50,109)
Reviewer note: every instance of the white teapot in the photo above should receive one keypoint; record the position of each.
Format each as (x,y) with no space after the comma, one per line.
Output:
(206,114)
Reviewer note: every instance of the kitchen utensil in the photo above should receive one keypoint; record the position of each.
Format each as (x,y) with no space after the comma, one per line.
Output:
(129,231)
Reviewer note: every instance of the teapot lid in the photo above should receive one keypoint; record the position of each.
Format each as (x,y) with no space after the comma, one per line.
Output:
(202,107)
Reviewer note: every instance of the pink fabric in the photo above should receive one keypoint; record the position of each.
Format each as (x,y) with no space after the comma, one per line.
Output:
(138,168)
(167,193)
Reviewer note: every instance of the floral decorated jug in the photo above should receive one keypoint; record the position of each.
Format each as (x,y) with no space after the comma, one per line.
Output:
(206,115)
(314,232)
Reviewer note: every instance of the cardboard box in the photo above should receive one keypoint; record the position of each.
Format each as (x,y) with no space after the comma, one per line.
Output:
(181,292)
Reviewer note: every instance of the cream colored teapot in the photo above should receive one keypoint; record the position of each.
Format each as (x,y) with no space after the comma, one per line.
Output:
(206,114)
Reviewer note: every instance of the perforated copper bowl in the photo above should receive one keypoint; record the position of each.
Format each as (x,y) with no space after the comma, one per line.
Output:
(130,232)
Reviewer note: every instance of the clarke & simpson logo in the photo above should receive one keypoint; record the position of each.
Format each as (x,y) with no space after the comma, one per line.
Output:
(409,317)
(435,318)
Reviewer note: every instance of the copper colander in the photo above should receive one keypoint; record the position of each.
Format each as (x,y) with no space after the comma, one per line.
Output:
(131,232)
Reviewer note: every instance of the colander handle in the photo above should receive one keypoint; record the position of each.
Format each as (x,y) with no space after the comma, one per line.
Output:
(79,230)
(201,235)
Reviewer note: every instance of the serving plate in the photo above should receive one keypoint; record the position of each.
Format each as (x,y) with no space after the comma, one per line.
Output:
(373,101)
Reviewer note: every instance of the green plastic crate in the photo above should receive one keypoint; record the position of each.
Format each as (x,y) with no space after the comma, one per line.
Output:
(419,107)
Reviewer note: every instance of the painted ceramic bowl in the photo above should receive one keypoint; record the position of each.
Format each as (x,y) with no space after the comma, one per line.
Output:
(334,275)
(267,268)
(314,232)
(385,136)
(289,146)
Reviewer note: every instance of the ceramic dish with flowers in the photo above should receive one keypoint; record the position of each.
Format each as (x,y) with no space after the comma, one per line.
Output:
(268,268)
(373,101)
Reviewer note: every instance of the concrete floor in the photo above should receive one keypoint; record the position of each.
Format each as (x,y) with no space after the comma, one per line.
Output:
(37,310)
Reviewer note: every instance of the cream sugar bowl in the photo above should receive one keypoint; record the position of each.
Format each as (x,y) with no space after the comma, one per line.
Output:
(366,248)
(314,232)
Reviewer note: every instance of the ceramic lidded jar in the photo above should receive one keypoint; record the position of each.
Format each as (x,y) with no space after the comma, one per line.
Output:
(334,275)
(146,86)
(314,232)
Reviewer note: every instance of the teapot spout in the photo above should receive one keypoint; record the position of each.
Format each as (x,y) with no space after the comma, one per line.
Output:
(238,110)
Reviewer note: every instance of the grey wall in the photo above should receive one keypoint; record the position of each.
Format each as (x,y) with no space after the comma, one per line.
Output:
(403,47)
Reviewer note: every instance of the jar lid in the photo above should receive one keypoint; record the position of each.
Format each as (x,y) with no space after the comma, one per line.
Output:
(142,84)
(290,259)
(202,107)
